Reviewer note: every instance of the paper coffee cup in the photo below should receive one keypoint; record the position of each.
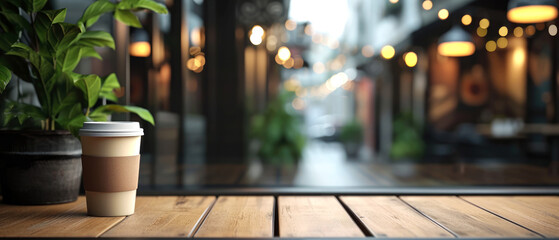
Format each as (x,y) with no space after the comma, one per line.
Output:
(111,162)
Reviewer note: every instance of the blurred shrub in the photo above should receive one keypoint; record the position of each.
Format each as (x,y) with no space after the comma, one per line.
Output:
(278,133)
(352,132)
(407,143)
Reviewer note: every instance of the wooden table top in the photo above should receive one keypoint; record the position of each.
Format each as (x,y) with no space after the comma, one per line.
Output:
(296,216)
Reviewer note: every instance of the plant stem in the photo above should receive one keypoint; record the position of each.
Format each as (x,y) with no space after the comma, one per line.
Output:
(33,16)
(87,112)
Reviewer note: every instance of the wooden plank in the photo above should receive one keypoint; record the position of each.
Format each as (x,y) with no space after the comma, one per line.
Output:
(465,219)
(316,216)
(169,216)
(58,220)
(388,216)
(538,213)
(239,216)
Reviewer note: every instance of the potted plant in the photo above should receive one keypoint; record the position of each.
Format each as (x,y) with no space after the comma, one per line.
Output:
(39,157)
(277,133)
(351,136)
(407,146)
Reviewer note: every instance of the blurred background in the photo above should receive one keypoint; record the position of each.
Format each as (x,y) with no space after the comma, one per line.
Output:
(336,93)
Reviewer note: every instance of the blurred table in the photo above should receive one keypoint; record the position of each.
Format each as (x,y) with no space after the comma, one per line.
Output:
(296,216)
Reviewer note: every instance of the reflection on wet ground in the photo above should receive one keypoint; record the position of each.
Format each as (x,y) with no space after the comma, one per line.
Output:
(325,165)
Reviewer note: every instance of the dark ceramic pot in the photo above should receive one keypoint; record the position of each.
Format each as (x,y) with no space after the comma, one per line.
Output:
(39,167)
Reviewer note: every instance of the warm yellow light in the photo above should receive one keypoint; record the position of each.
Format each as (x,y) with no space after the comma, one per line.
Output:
(532,14)
(518,32)
(502,42)
(410,59)
(289,63)
(367,51)
(201,59)
(291,85)
(140,49)
(387,52)
(308,30)
(481,32)
(318,67)
(466,20)
(393,1)
(519,57)
(456,49)
(196,37)
(490,46)
(257,30)
(443,14)
(256,35)
(290,25)
(299,62)
(194,64)
(530,30)
(552,30)
(503,31)
(427,4)
(284,53)
(484,23)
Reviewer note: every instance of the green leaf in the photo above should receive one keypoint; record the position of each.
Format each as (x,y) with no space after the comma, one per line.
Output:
(128,18)
(90,52)
(6,40)
(97,38)
(99,116)
(45,19)
(69,101)
(142,4)
(17,21)
(10,5)
(77,123)
(38,5)
(20,49)
(95,10)
(61,36)
(17,65)
(5,76)
(110,83)
(90,86)
(21,112)
(33,5)
(71,59)
(112,108)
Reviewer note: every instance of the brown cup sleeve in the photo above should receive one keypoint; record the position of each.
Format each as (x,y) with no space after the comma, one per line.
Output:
(110,174)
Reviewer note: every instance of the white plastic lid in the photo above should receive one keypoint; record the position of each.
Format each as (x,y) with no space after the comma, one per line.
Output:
(111,129)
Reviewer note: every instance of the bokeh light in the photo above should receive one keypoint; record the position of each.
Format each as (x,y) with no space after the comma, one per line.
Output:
(410,58)
(387,52)
(466,20)
(443,14)
(484,23)
(427,4)
(491,46)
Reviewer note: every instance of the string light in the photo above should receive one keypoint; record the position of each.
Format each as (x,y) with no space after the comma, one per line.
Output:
(466,20)
(443,14)
(427,5)
(410,58)
(387,52)
(503,31)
